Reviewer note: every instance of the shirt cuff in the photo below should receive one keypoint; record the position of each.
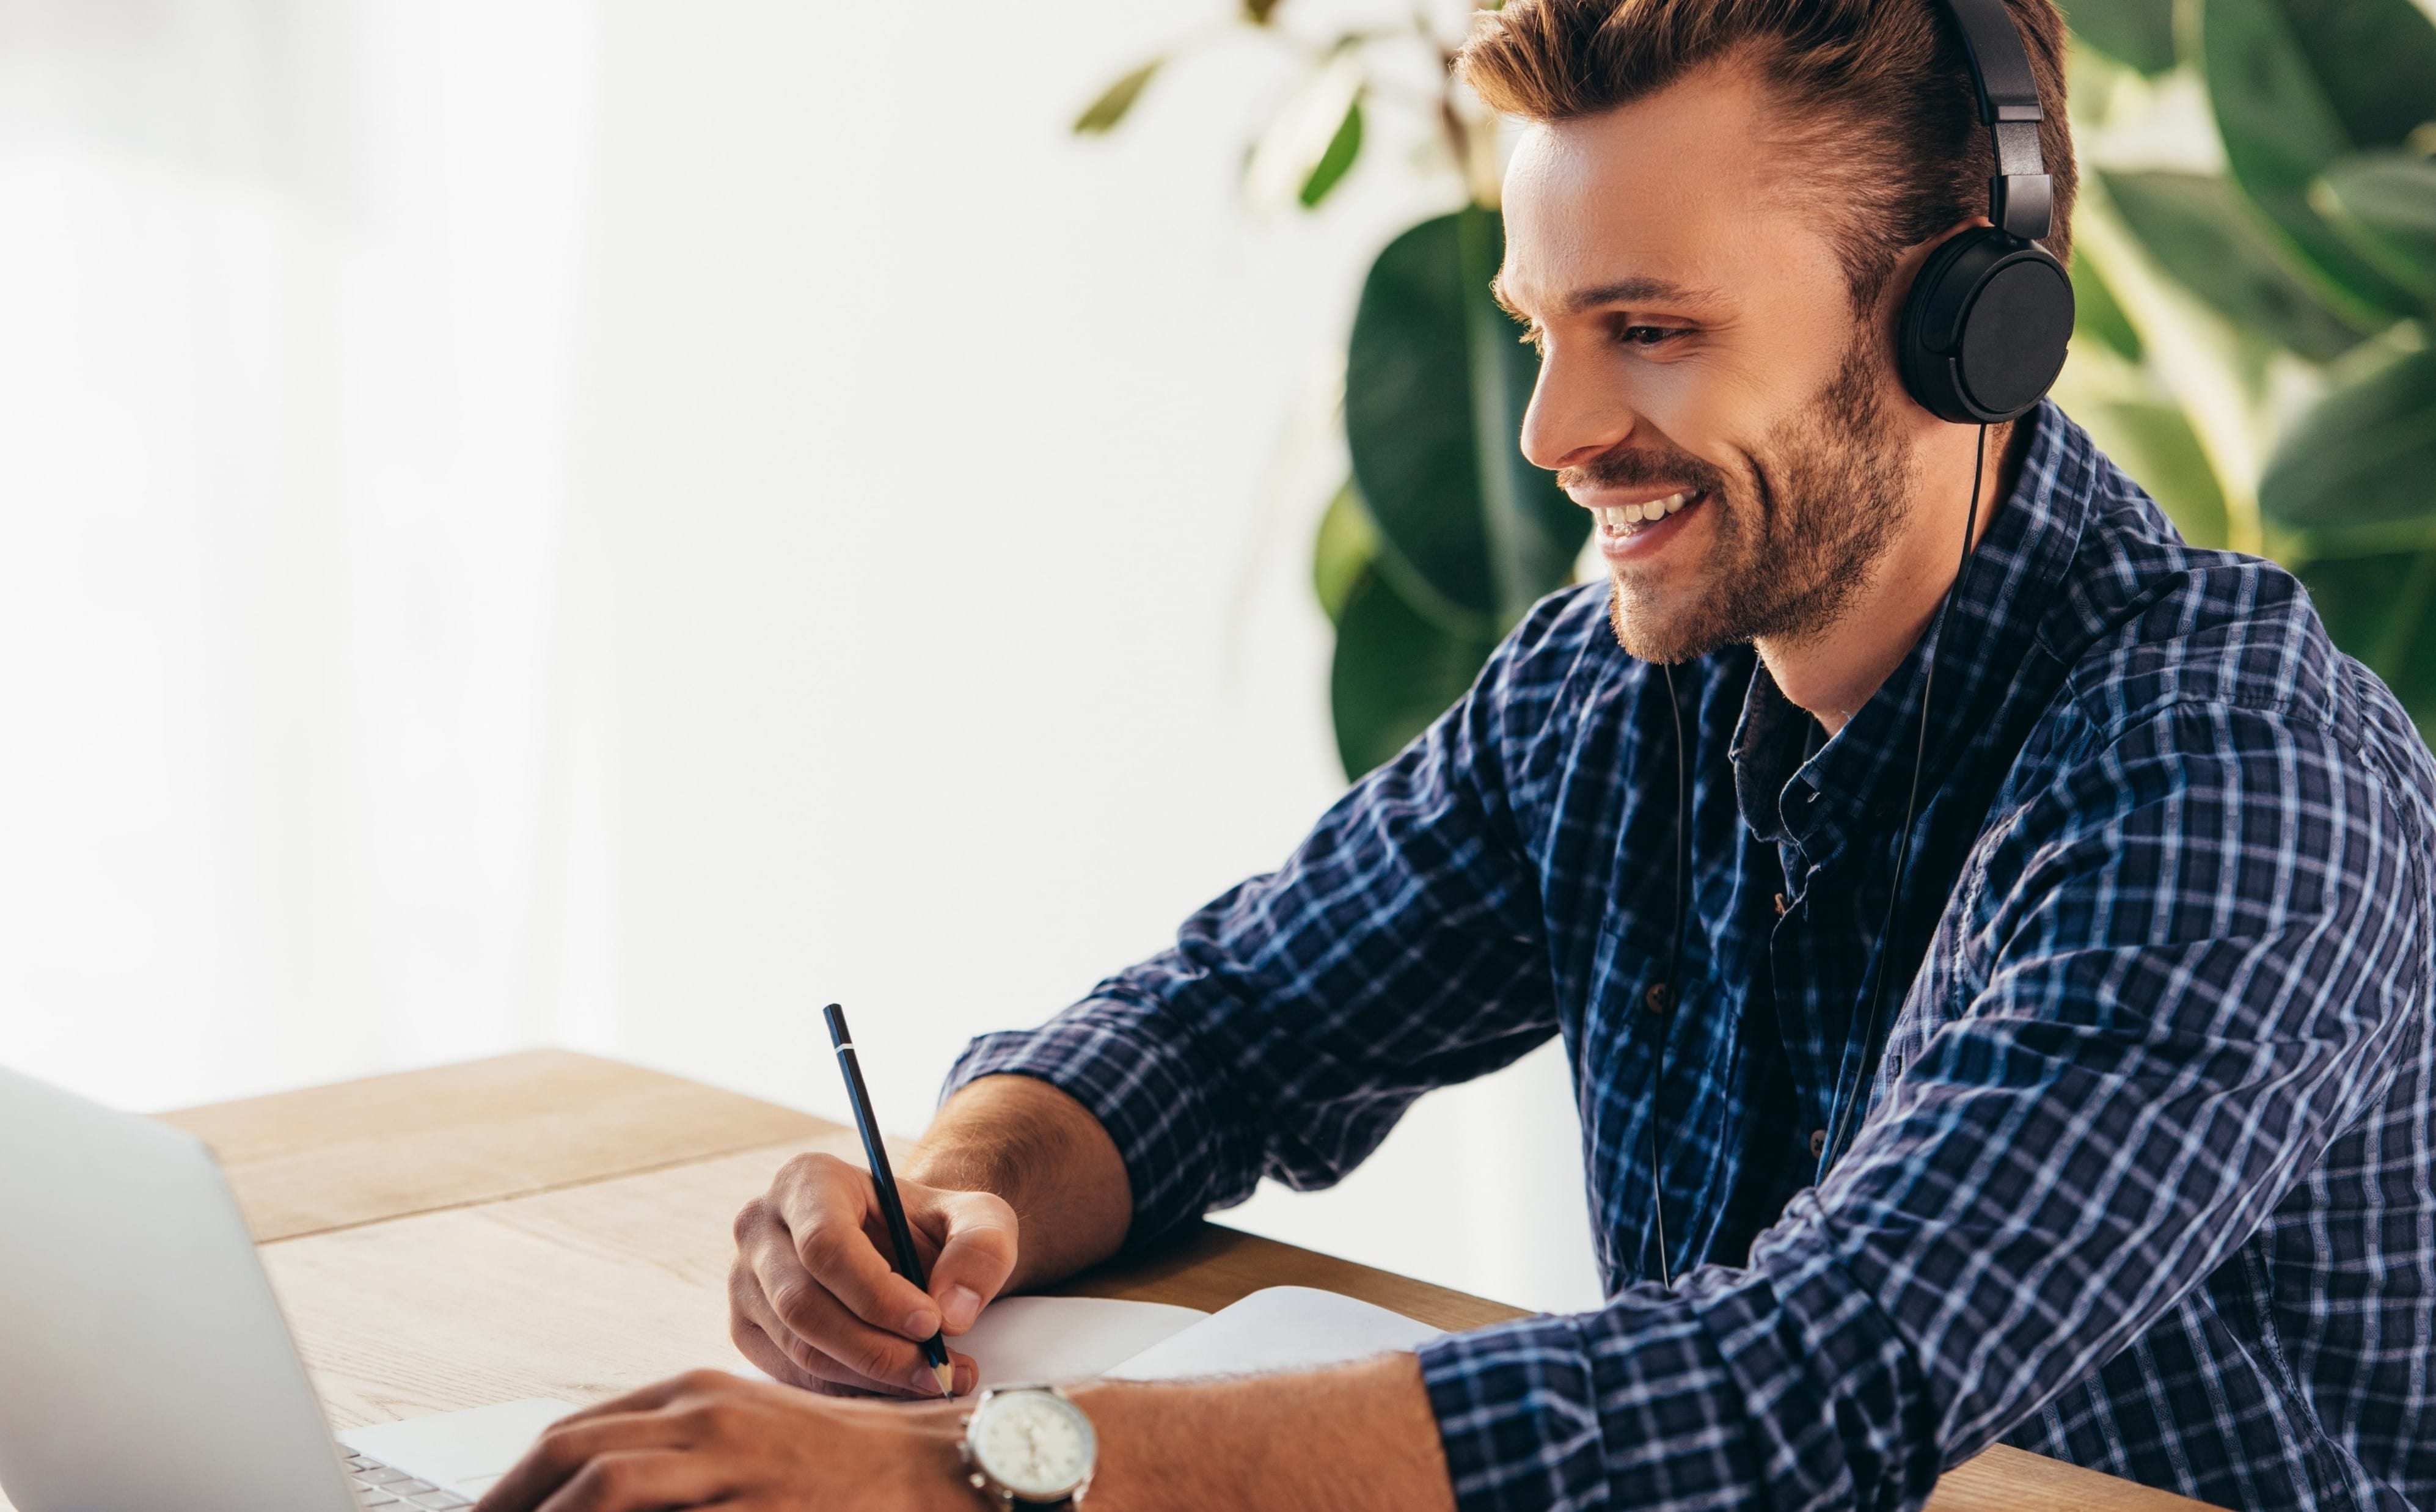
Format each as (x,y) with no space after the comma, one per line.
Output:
(1144,1093)
(1628,1407)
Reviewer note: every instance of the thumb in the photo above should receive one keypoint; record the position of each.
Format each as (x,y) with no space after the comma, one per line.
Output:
(976,1253)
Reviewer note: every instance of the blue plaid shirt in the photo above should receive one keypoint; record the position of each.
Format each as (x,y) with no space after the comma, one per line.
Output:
(2144,1180)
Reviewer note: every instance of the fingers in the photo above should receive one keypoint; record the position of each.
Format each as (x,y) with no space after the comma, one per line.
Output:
(645,1482)
(751,1317)
(977,1235)
(564,1449)
(752,1341)
(823,1203)
(815,1329)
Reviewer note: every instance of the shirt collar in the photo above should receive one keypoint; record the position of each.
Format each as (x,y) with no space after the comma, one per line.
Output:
(1855,784)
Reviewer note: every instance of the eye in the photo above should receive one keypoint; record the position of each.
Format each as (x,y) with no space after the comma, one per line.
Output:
(1647,336)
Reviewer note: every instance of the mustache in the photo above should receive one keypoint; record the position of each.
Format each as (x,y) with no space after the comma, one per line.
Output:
(1641,467)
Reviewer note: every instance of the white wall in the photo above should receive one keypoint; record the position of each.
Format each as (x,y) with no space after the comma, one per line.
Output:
(899,595)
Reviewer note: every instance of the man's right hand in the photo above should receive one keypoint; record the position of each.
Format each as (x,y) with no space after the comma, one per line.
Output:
(814,1301)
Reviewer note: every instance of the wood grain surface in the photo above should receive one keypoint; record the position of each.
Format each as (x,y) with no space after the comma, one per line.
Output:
(551,1224)
(360,1152)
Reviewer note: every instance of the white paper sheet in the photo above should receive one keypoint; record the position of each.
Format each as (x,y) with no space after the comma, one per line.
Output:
(1281,1328)
(1066,1338)
(467,1451)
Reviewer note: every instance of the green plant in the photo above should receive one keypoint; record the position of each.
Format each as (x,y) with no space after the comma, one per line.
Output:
(2258,271)
(1444,534)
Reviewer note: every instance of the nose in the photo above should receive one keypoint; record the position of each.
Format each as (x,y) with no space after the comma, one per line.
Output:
(1574,416)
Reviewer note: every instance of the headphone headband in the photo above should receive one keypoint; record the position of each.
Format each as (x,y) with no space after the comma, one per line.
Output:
(2021,198)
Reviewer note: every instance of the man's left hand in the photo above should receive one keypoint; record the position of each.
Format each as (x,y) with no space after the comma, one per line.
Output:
(748,1446)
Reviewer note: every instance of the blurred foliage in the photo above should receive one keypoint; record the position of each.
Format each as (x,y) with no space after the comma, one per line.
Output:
(1444,534)
(2255,266)
(2254,342)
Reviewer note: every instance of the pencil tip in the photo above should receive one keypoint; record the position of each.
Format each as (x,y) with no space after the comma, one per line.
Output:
(946,1375)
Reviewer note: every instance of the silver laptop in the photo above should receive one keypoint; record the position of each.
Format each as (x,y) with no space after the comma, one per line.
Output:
(144,1364)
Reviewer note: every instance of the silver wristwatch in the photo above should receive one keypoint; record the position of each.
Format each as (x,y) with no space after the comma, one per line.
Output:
(1029,1448)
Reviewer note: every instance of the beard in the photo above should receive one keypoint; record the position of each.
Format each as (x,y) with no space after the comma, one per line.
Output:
(1798,532)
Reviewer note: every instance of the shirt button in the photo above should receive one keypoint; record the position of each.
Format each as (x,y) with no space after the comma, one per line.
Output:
(1656,996)
(1817,1143)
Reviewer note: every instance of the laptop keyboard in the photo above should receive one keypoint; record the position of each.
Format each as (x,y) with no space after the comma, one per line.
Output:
(379,1488)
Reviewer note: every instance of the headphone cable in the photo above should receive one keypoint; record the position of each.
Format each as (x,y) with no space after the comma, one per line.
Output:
(1668,996)
(1848,1106)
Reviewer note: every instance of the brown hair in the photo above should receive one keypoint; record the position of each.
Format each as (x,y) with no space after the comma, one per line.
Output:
(1877,90)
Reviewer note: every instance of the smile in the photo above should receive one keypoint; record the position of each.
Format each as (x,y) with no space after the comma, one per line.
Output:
(1624,519)
(1627,533)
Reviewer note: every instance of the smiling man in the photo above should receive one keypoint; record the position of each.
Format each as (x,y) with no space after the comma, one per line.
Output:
(2135,1167)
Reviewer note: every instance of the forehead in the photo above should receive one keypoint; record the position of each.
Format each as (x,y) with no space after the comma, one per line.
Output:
(1688,186)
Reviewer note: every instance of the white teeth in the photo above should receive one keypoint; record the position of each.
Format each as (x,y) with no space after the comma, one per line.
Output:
(1624,516)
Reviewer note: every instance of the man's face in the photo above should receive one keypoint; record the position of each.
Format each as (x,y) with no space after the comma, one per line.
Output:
(1707,389)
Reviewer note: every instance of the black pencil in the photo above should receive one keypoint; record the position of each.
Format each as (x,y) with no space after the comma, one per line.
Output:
(892,1206)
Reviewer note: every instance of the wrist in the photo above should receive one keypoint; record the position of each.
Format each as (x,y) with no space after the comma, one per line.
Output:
(1034,1147)
(930,1474)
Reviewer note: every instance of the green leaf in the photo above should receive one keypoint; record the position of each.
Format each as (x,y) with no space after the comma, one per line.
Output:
(2098,316)
(1348,545)
(1101,116)
(2377,60)
(1394,670)
(2385,205)
(1260,12)
(2352,475)
(2282,129)
(1437,380)
(2153,442)
(1337,161)
(2378,608)
(2137,33)
(2201,232)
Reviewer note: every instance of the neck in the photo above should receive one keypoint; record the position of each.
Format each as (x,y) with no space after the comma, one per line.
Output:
(1837,670)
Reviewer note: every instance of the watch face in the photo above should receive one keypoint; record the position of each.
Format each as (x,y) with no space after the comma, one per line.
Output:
(1038,1445)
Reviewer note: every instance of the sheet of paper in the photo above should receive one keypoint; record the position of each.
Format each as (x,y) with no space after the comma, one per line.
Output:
(1066,1338)
(466,1452)
(1281,1328)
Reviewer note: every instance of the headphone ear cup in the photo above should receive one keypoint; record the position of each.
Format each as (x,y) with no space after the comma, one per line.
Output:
(1985,328)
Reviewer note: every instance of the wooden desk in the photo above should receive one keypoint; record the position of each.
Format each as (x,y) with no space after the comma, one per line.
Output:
(550,1224)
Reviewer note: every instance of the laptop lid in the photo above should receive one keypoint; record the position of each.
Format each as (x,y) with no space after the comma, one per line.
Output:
(144,1364)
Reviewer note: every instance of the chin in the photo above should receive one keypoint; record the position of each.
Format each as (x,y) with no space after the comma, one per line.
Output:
(1663,628)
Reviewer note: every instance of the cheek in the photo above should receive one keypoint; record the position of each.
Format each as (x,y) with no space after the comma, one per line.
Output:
(1701,402)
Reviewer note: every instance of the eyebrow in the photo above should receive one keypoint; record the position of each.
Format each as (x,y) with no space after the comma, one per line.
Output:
(1624,291)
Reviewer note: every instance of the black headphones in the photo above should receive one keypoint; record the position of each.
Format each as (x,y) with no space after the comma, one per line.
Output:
(1984,329)
(1982,339)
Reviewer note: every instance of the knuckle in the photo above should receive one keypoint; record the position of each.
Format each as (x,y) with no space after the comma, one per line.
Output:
(811,1168)
(793,1303)
(873,1359)
(996,1242)
(823,1244)
(556,1446)
(749,1220)
(595,1485)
